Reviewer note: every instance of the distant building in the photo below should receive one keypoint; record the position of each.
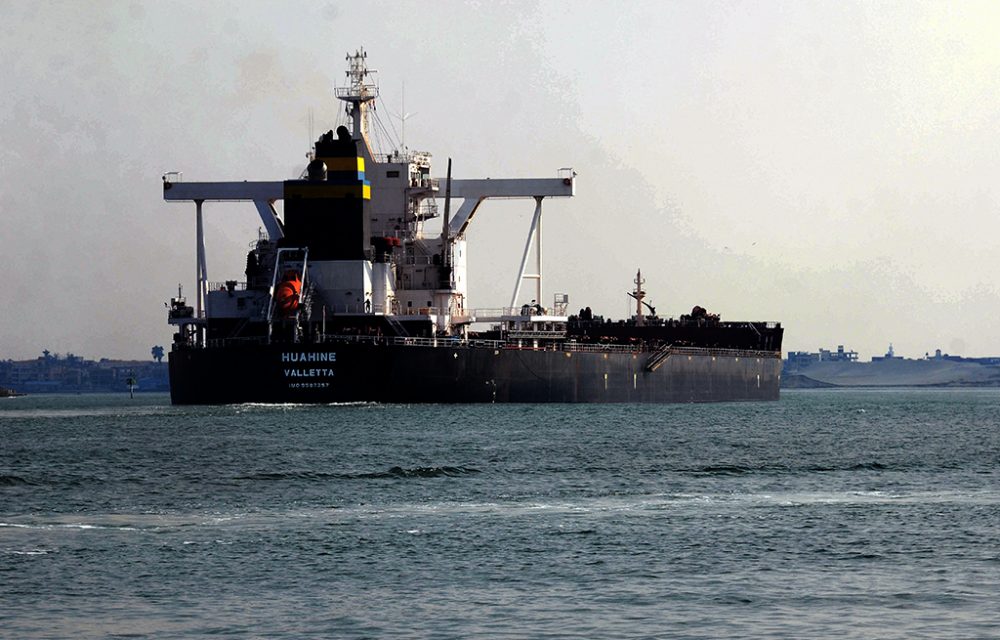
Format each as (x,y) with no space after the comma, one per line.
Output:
(840,355)
(799,359)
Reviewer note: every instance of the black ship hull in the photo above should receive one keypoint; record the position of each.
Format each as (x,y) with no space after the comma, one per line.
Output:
(366,371)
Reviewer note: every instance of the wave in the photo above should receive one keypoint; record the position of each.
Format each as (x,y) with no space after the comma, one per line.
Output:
(735,470)
(722,470)
(393,472)
(12,481)
(427,472)
(68,525)
(116,412)
(244,407)
(860,466)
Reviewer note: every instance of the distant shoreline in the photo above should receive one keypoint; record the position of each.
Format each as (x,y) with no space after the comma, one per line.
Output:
(53,373)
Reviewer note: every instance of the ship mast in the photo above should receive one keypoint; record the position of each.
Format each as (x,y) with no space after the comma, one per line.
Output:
(357,94)
(639,294)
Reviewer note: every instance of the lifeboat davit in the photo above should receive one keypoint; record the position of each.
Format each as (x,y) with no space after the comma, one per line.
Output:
(286,294)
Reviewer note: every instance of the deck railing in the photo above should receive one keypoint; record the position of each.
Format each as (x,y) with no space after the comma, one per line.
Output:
(500,345)
(530,345)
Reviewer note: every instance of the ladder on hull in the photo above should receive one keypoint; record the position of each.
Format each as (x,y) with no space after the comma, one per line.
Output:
(659,357)
(397,326)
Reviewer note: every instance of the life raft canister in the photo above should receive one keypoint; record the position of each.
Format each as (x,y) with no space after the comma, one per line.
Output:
(286,294)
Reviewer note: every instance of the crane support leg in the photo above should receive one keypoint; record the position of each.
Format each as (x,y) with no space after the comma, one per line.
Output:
(534,233)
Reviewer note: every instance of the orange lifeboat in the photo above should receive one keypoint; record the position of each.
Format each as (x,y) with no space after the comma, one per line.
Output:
(286,294)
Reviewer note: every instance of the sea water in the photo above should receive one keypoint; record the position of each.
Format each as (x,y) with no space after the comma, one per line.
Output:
(847,514)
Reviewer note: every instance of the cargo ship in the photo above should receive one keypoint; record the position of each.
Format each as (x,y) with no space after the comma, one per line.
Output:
(358,292)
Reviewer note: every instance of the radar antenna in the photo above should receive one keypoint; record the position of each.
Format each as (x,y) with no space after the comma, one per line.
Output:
(358,92)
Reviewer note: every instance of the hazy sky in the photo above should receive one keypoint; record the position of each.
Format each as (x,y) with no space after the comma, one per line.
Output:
(831,165)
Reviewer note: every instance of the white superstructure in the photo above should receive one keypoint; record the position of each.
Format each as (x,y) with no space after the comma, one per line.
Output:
(413,266)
